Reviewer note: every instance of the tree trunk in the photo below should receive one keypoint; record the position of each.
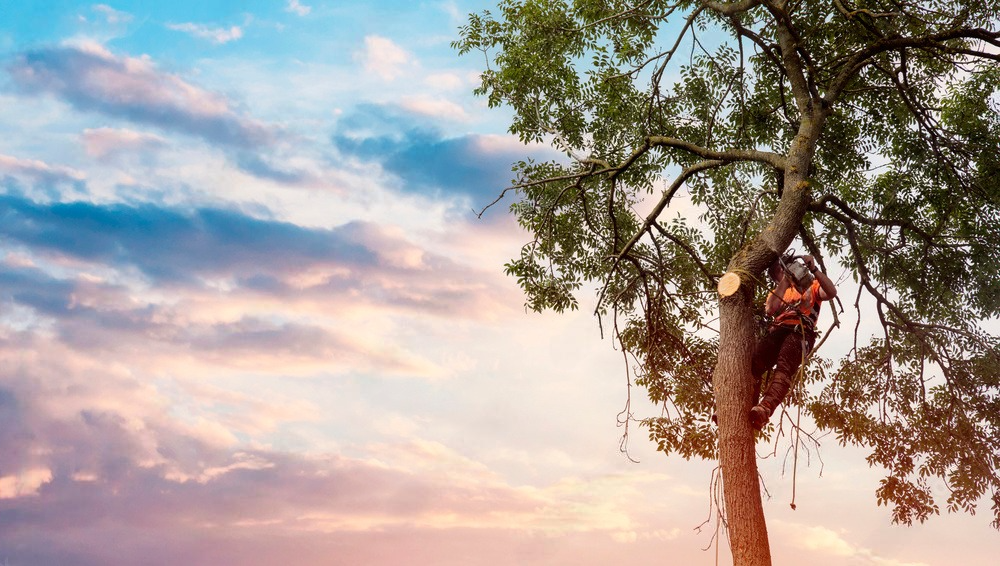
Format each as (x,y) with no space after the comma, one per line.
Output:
(733,379)
(737,456)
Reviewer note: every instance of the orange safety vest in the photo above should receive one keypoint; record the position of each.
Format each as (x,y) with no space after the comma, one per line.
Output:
(799,308)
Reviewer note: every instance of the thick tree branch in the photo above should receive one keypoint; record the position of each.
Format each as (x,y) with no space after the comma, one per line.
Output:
(791,60)
(731,8)
(769,158)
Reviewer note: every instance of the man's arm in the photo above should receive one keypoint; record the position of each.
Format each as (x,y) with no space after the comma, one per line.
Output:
(827,290)
(774,302)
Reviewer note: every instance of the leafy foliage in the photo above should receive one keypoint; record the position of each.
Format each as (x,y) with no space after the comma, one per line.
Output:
(887,112)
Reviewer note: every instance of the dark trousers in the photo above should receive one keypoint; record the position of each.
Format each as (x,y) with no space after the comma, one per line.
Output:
(782,349)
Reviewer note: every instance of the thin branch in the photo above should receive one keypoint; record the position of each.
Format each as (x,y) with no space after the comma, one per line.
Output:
(668,194)
(906,324)
(934,41)
(821,206)
(850,15)
(621,14)
(690,251)
(667,55)
(766,48)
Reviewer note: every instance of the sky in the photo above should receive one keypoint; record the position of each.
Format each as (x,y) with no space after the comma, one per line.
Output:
(248,316)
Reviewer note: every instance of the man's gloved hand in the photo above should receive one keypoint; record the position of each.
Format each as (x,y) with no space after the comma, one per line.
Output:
(810,263)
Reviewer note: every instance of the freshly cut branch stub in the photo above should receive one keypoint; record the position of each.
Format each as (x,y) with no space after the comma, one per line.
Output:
(728,284)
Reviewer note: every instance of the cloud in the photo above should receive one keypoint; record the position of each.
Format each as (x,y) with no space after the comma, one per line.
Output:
(384,58)
(38,171)
(425,160)
(206,248)
(105,143)
(434,107)
(295,7)
(91,449)
(452,10)
(216,35)
(111,15)
(199,290)
(47,388)
(26,482)
(255,344)
(173,245)
(445,81)
(91,78)
(827,542)
(467,164)
(263,168)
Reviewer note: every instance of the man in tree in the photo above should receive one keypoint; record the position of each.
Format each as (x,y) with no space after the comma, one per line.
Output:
(791,335)
(880,121)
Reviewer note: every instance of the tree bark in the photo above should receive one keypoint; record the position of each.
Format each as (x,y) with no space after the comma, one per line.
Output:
(733,379)
(737,456)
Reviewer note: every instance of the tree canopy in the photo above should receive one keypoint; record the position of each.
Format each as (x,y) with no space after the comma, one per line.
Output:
(867,129)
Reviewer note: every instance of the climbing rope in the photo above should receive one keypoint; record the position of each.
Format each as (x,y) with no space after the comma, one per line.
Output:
(805,323)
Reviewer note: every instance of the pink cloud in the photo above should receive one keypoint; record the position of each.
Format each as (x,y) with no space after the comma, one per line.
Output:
(110,458)
(26,482)
(109,464)
(381,56)
(90,77)
(90,448)
(334,301)
(38,170)
(238,255)
(103,143)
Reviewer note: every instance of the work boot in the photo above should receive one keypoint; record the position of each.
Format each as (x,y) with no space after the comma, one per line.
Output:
(761,412)
(776,391)
(759,415)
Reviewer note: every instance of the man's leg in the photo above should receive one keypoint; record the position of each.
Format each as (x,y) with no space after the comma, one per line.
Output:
(766,355)
(789,359)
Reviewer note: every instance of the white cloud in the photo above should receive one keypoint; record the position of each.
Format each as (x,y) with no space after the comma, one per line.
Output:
(445,81)
(111,15)
(296,7)
(434,107)
(824,540)
(215,35)
(449,7)
(384,58)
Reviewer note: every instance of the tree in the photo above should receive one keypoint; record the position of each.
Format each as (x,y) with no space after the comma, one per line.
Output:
(867,129)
